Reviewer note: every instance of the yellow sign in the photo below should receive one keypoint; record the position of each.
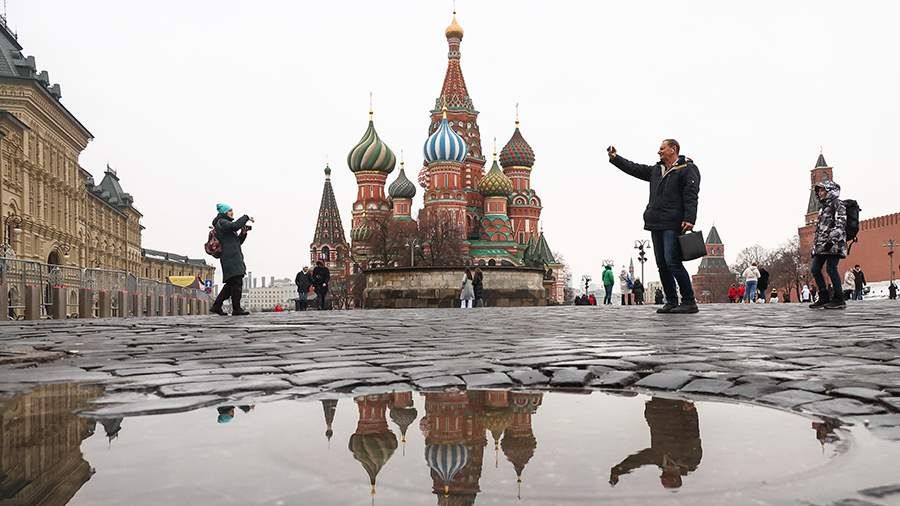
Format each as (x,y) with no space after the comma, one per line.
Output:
(183,281)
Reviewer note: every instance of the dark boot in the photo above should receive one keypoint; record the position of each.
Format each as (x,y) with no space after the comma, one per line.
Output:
(837,301)
(824,298)
(217,309)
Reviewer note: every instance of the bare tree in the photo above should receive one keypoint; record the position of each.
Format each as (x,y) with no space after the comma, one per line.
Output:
(747,256)
(441,240)
(788,269)
(389,242)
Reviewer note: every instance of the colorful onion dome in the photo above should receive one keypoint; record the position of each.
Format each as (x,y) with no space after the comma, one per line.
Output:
(445,145)
(517,152)
(495,183)
(373,451)
(454,30)
(402,187)
(446,460)
(371,153)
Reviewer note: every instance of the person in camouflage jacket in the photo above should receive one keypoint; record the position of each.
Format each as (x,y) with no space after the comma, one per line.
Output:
(829,244)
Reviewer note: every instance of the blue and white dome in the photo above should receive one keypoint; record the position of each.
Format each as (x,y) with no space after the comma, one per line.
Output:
(445,145)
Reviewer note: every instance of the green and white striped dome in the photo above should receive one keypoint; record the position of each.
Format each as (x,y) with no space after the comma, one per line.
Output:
(371,153)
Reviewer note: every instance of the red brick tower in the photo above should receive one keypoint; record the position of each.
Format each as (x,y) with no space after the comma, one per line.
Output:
(713,276)
(371,161)
(462,117)
(517,159)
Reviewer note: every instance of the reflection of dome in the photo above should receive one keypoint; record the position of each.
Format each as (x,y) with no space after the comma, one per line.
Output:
(517,152)
(445,145)
(518,450)
(446,460)
(329,406)
(495,183)
(496,421)
(454,30)
(403,417)
(373,451)
(371,154)
(402,188)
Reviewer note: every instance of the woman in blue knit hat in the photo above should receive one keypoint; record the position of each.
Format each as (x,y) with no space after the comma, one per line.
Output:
(231,234)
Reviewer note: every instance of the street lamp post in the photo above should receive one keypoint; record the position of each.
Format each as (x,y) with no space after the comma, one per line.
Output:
(587,282)
(890,247)
(641,245)
(413,244)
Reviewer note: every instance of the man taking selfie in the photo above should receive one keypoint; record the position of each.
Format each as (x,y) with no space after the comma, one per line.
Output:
(671,211)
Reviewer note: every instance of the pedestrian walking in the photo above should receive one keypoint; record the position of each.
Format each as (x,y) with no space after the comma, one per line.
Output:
(592,300)
(859,282)
(321,277)
(763,283)
(813,293)
(805,295)
(638,292)
(774,297)
(829,244)
(466,291)
(751,276)
(742,290)
(849,285)
(671,211)
(892,291)
(478,287)
(609,280)
(625,285)
(231,234)
(303,280)
(732,293)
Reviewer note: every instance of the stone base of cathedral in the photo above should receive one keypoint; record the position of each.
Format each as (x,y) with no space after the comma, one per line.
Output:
(436,287)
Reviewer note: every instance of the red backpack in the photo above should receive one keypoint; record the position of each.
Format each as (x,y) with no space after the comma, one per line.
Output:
(213,246)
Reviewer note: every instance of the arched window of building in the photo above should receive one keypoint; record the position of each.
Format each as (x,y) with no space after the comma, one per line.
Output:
(326,254)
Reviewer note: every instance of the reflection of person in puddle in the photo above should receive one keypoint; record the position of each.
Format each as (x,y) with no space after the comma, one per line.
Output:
(247,409)
(674,442)
(226,413)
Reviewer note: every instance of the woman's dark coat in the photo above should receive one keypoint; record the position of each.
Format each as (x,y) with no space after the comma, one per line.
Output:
(321,276)
(231,235)
(303,282)
(478,285)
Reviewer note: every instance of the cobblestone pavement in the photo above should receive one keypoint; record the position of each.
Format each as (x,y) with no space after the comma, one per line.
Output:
(840,364)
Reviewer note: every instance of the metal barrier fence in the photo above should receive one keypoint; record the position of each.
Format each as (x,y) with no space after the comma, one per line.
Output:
(35,290)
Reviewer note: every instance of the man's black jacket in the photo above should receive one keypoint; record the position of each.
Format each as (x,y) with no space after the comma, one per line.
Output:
(673,192)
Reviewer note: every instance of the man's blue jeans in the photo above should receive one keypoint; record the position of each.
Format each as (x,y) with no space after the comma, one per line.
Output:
(858,294)
(830,262)
(671,270)
(607,299)
(751,291)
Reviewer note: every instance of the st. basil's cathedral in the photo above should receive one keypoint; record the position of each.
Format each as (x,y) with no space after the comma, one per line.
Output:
(496,214)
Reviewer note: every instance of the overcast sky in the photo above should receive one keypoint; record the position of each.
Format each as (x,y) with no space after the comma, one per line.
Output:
(202,101)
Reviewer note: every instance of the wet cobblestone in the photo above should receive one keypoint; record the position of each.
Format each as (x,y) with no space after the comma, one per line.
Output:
(838,364)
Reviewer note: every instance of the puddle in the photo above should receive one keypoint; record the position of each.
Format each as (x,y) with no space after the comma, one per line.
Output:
(445,448)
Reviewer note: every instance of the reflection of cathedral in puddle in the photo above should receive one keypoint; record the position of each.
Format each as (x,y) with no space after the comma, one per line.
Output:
(40,444)
(374,443)
(674,442)
(454,426)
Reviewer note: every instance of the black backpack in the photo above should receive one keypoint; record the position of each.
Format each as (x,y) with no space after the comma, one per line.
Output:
(852,227)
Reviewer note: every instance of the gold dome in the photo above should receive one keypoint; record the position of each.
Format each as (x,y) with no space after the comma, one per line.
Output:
(454,30)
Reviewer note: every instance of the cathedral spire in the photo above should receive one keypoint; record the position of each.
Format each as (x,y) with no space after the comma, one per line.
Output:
(454,93)
(329,229)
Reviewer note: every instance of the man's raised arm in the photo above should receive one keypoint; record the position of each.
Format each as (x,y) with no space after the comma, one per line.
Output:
(633,169)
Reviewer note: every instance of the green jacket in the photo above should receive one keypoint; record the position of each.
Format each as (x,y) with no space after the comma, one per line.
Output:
(609,278)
